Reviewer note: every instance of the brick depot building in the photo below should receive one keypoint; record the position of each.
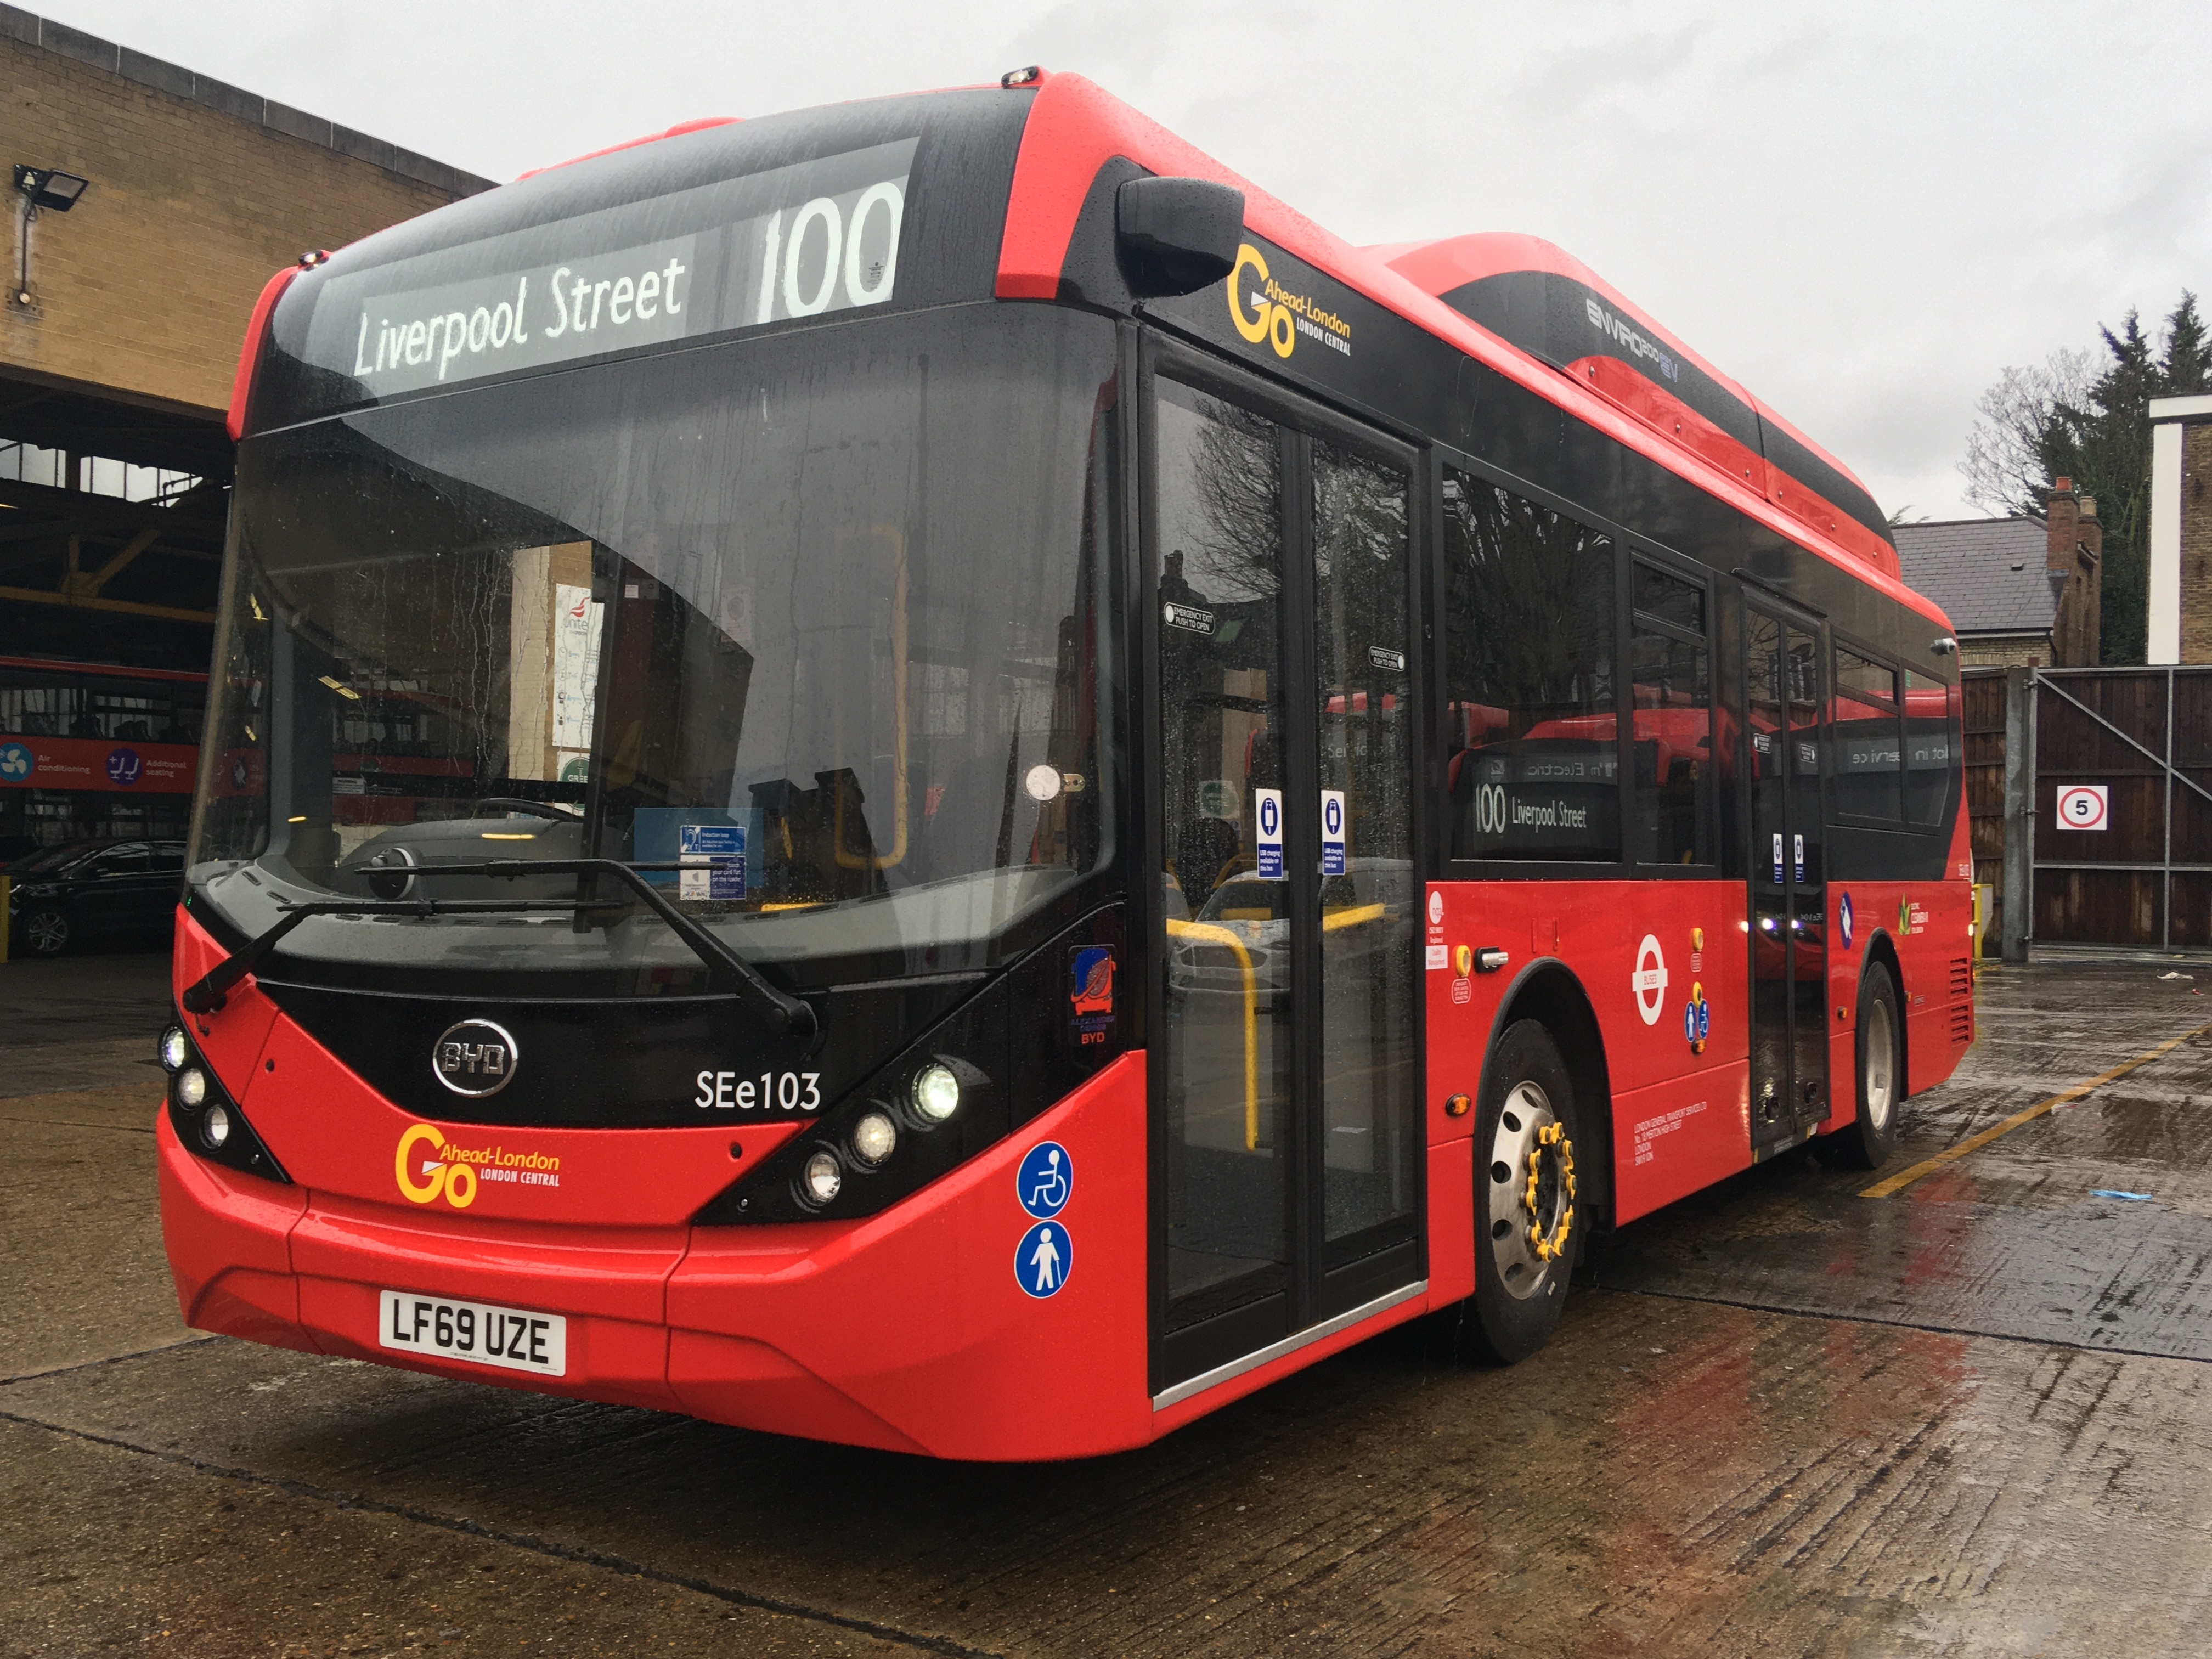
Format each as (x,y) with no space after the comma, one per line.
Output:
(2181,530)
(149,206)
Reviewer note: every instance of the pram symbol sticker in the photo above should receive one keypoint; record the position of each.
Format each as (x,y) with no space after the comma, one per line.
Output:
(1046,1178)
(1044,1259)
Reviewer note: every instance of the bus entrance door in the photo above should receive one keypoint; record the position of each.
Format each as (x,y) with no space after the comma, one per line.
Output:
(1784,685)
(1287,1138)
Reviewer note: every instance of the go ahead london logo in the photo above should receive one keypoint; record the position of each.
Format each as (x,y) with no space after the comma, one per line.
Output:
(429,1167)
(1264,310)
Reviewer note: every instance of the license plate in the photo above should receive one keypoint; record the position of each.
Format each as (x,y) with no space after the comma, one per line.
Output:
(479,1332)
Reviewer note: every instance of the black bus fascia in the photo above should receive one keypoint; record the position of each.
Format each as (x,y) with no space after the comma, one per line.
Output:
(783,1014)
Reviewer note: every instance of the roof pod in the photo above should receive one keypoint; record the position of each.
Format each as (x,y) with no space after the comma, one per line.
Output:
(1544,301)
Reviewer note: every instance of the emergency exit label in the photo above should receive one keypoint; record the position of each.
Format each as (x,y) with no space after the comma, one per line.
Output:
(2085,806)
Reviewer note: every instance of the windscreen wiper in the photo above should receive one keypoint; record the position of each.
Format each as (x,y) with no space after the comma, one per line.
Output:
(781,1012)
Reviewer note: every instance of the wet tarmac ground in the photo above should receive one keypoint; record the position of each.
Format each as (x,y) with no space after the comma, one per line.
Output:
(1973,1416)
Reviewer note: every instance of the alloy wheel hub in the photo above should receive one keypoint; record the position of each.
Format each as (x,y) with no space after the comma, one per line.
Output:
(1532,1190)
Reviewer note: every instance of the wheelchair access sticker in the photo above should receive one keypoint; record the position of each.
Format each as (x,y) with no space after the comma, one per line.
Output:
(1046,1178)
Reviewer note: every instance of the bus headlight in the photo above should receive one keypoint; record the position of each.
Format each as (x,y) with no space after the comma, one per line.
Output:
(821,1178)
(205,1119)
(936,1093)
(875,1137)
(935,1103)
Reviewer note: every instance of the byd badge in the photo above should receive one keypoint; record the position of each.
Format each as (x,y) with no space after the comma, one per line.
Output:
(474,1058)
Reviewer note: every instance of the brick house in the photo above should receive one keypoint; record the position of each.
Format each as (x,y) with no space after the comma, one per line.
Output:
(2180,530)
(2020,590)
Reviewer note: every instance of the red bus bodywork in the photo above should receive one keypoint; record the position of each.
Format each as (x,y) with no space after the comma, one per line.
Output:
(903,1330)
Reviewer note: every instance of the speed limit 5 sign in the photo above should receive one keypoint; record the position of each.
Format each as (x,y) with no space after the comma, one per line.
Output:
(2084,806)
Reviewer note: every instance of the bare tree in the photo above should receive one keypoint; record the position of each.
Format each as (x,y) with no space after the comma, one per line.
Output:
(2004,467)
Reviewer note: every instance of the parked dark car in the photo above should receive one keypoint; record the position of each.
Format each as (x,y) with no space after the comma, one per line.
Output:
(89,892)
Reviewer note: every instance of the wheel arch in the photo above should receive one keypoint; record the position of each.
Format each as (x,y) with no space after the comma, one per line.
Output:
(1883,949)
(1547,991)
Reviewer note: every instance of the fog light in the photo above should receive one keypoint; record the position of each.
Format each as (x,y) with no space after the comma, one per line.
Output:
(174,1051)
(936,1093)
(215,1127)
(191,1087)
(875,1137)
(821,1178)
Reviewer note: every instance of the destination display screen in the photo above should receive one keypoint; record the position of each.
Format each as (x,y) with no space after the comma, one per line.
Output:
(802,241)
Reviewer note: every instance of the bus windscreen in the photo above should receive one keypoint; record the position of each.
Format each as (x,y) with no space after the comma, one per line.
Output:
(818,611)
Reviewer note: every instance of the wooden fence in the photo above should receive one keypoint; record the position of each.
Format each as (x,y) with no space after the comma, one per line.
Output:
(2130,750)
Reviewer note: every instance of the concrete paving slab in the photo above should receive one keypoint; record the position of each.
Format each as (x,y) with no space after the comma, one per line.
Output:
(86,1276)
(103,1550)
(1669,1478)
(81,1022)
(2013,1240)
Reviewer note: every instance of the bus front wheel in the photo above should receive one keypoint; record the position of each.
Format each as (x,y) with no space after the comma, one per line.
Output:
(1528,1232)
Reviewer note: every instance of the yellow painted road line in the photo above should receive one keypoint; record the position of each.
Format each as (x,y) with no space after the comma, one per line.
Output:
(1904,1178)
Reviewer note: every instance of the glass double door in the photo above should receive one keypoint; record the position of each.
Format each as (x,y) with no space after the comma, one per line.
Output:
(1785,686)
(1286,1125)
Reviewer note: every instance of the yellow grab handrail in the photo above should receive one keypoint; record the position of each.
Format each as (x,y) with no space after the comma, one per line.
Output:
(1207,931)
(870,860)
(1353,917)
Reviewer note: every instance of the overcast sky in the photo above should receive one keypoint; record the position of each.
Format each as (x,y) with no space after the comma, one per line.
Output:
(1862,214)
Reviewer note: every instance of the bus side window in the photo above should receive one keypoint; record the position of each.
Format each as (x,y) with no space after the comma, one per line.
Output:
(1931,746)
(1528,680)
(1671,714)
(1866,752)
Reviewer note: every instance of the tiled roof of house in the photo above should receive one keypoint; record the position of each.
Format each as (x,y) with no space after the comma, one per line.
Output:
(1987,573)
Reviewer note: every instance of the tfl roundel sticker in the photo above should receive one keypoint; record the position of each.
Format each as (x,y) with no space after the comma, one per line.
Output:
(1648,982)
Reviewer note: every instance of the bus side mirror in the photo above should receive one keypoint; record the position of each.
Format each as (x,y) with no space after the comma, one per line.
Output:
(1176,235)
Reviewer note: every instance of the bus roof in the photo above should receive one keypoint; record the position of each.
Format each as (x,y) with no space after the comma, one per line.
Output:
(1725,440)
(1517,304)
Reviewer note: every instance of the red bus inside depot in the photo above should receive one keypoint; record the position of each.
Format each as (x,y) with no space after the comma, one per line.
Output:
(925,773)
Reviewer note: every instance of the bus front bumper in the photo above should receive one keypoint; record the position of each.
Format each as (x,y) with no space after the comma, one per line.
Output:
(908,1330)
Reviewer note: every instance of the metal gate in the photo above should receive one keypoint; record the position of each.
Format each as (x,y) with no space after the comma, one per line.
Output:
(2107,835)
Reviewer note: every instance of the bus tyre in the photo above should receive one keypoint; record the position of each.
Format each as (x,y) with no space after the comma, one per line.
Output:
(1866,1142)
(1527,1232)
(45,931)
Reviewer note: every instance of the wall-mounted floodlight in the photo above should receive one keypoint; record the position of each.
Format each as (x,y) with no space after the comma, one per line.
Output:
(50,187)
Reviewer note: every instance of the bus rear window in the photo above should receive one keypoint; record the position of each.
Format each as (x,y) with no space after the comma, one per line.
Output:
(1931,747)
(1866,737)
